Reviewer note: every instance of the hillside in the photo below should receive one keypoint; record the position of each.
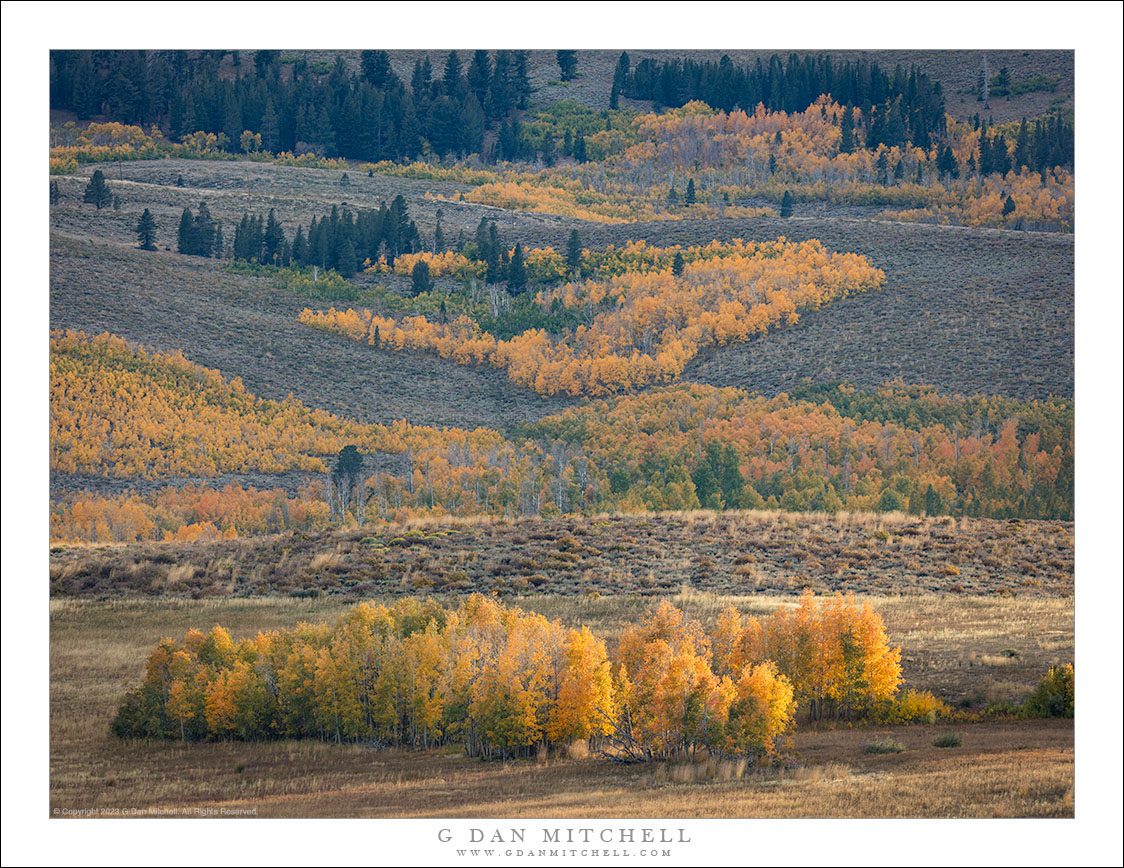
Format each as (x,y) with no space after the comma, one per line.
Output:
(982,310)
(958,70)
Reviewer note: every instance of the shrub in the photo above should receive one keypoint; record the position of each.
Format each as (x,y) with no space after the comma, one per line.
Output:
(1054,695)
(913,706)
(885,745)
(949,739)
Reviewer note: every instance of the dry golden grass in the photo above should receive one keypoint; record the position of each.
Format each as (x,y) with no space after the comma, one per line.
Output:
(726,553)
(1022,768)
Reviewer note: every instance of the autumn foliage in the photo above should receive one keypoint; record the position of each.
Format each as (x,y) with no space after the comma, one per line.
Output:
(641,322)
(503,682)
(191,513)
(738,160)
(119,411)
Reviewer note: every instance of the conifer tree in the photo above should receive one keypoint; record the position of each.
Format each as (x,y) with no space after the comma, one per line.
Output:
(420,278)
(516,271)
(185,242)
(97,191)
(579,148)
(847,130)
(438,235)
(567,63)
(574,253)
(203,232)
(146,231)
(786,204)
(452,78)
(273,238)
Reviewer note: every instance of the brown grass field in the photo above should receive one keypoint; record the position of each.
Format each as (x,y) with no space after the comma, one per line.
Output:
(760,553)
(950,645)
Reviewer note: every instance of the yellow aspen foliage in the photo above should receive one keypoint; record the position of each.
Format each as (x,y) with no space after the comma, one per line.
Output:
(505,682)
(762,711)
(657,320)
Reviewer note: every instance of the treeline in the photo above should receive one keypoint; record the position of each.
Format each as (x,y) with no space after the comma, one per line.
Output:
(294,106)
(688,446)
(695,162)
(191,513)
(122,412)
(1040,146)
(342,240)
(896,108)
(504,683)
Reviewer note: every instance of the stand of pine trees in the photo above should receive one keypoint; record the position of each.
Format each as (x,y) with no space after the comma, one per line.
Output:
(199,234)
(342,240)
(899,107)
(364,114)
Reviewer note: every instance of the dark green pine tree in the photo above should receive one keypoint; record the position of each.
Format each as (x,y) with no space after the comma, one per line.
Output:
(97,191)
(203,232)
(438,235)
(620,74)
(1008,206)
(786,204)
(452,77)
(933,504)
(479,74)
(56,193)
(730,478)
(420,278)
(847,130)
(677,264)
(517,271)
(706,486)
(579,148)
(567,63)
(300,248)
(348,262)
(270,128)
(185,240)
(146,231)
(492,257)
(574,253)
(690,197)
(273,238)
(946,163)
